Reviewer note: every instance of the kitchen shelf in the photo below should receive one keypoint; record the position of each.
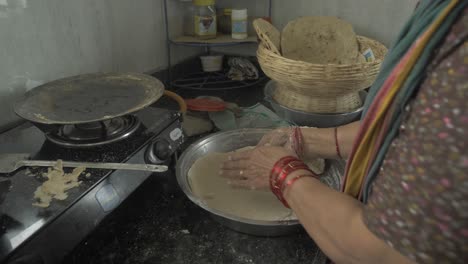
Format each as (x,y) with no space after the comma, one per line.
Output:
(213,81)
(220,40)
(203,80)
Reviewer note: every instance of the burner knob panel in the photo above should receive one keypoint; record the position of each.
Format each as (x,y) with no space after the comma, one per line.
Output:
(159,151)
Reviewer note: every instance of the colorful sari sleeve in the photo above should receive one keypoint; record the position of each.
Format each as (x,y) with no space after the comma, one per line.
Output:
(418,203)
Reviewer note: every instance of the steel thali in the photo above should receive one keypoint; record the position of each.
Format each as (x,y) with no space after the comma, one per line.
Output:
(229,141)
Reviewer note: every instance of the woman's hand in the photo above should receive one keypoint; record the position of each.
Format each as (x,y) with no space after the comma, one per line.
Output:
(280,137)
(287,137)
(251,169)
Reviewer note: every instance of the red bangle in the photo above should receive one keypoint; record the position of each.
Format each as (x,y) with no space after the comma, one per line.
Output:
(297,141)
(278,167)
(279,187)
(280,172)
(280,164)
(288,169)
(337,145)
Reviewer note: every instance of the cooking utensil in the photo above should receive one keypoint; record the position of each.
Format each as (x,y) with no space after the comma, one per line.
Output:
(89,98)
(311,119)
(12,162)
(229,141)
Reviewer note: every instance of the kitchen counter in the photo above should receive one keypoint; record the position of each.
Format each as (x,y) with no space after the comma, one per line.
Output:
(158,224)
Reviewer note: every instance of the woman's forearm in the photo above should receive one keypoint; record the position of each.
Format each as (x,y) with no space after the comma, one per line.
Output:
(321,142)
(334,221)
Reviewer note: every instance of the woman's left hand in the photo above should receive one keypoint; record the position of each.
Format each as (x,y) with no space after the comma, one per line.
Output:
(251,169)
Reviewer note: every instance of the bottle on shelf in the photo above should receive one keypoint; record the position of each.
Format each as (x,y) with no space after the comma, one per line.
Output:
(224,21)
(205,19)
(239,23)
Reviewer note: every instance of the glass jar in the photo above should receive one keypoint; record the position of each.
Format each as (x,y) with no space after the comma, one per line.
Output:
(239,23)
(204,15)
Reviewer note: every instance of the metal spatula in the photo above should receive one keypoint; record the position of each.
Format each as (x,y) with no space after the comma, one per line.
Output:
(12,162)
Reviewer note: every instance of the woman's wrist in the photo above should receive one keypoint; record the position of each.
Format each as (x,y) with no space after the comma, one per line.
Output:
(299,175)
(285,174)
(323,143)
(319,142)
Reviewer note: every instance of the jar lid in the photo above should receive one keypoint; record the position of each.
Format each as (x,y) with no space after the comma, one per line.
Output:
(203,2)
(239,12)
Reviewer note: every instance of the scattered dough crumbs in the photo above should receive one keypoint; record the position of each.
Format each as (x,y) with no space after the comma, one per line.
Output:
(57,184)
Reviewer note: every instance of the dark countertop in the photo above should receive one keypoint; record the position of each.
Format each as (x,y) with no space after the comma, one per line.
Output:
(158,224)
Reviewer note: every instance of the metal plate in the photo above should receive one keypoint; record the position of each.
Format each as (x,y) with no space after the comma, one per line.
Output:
(229,141)
(89,98)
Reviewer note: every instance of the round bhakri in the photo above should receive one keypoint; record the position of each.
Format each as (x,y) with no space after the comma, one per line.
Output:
(320,40)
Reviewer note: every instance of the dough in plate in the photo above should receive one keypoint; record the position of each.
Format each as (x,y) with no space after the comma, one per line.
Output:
(214,190)
(320,40)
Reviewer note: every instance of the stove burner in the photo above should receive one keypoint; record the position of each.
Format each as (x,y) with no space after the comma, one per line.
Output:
(95,133)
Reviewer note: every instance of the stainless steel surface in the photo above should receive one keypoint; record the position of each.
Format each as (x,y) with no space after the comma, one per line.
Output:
(95,133)
(11,162)
(229,141)
(311,119)
(89,98)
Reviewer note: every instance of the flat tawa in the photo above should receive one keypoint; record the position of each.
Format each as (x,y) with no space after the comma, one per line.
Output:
(89,98)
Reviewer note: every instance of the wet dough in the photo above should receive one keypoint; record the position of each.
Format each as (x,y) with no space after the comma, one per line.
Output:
(57,185)
(215,191)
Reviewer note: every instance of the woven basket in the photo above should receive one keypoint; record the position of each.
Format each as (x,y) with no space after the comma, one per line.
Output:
(325,80)
(268,34)
(316,88)
(343,104)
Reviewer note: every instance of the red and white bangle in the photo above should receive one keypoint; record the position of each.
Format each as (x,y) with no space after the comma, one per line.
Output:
(282,169)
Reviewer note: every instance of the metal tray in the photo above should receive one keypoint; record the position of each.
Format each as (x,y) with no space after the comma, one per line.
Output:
(229,141)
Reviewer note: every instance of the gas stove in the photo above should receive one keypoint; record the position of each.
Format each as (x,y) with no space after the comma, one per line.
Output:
(30,234)
(95,133)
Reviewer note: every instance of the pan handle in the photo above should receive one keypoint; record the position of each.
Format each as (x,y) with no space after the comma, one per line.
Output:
(178,99)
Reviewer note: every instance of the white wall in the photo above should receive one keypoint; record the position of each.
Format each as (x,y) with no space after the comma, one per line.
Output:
(50,39)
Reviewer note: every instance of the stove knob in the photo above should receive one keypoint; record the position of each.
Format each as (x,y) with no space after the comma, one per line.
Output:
(162,149)
(159,152)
